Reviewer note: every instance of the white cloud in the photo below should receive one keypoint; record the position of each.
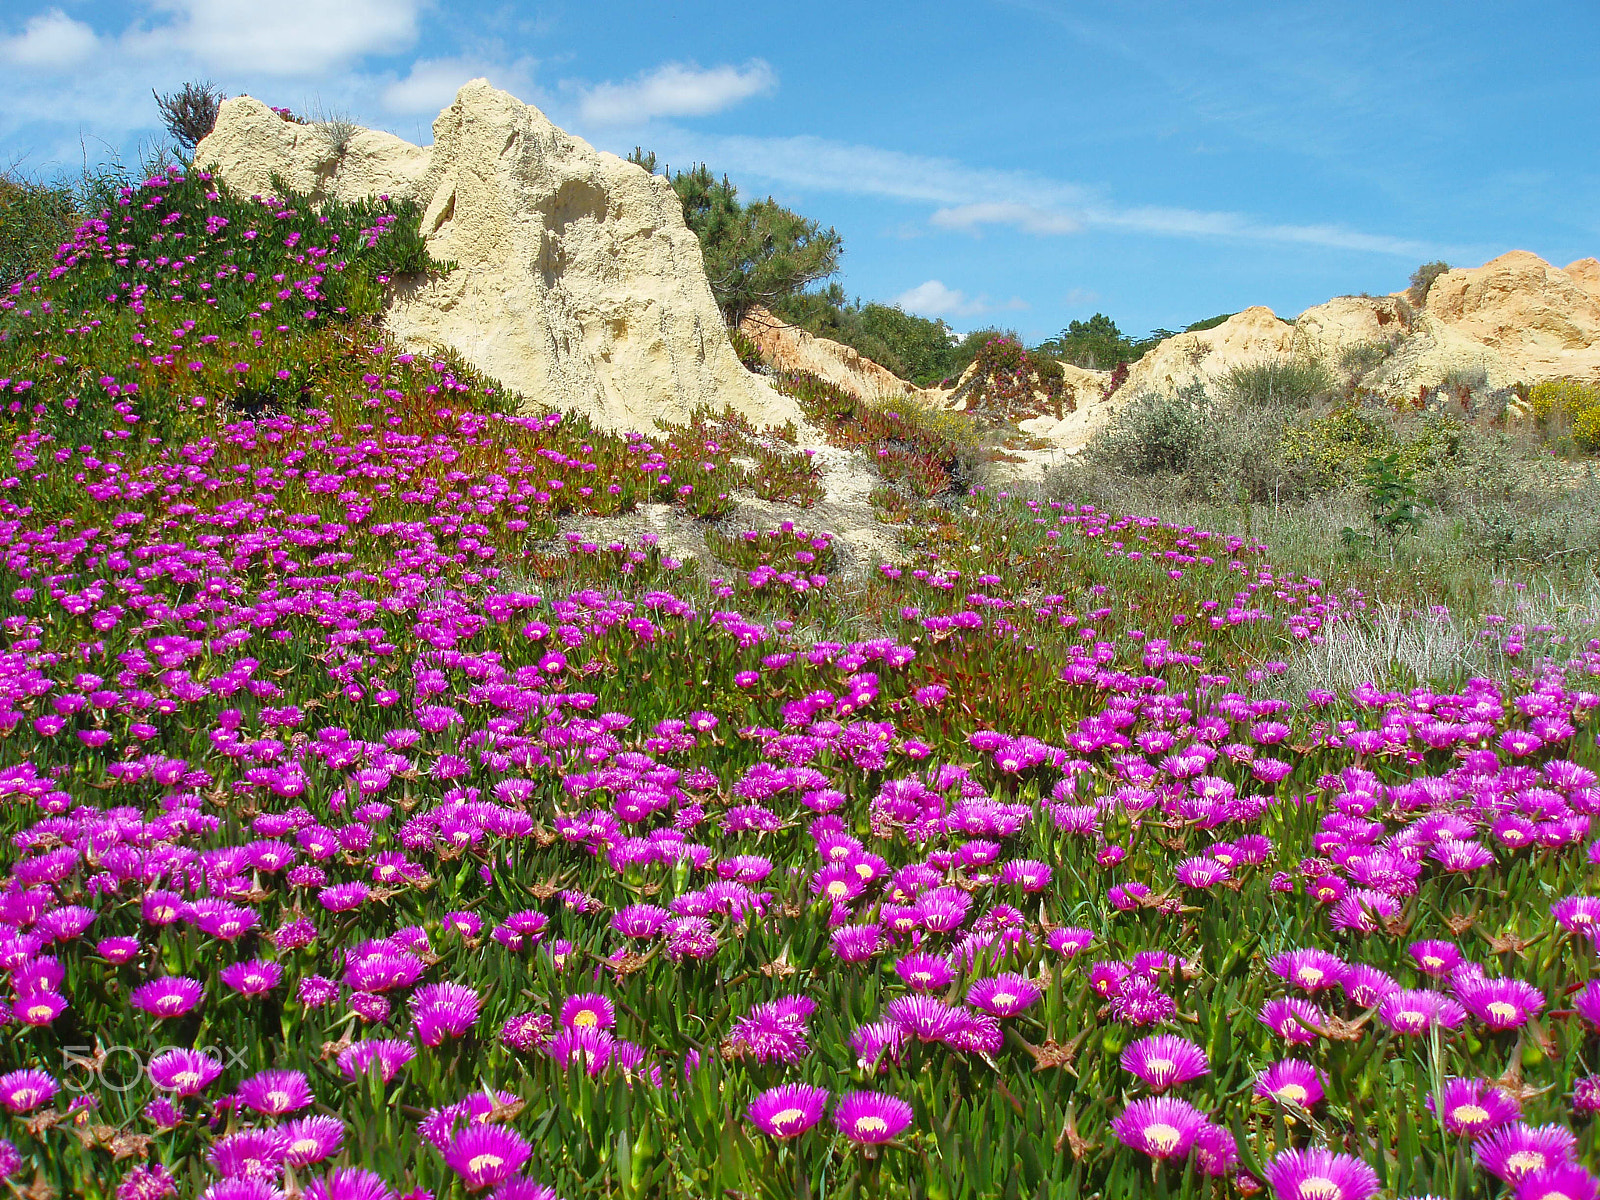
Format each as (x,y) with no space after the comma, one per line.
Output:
(294,52)
(676,90)
(971,218)
(50,41)
(278,37)
(934,299)
(432,82)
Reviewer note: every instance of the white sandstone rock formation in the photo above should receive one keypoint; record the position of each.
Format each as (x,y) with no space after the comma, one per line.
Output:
(577,282)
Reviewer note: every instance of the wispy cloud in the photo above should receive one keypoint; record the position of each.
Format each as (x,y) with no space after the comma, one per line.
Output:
(1183,222)
(825,165)
(969,199)
(675,90)
(970,218)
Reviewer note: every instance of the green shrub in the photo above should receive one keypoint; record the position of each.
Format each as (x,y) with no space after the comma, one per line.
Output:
(968,348)
(1187,447)
(1008,380)
(745,347)
(1364,357)
(1393,505)
(367,245)
(1097,344)
(930,450)
(35,219)
(1153,433)
(1464,381)
(1281,383)
(191,112)
(1334,448)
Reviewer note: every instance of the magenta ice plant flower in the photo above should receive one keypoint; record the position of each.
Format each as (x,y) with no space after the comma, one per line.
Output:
(276,1092)
(349,1183)
(1319,1174)
(1415,1011)
(256,977)
(1435,957)
(312,1139)
(871,1118)
(925,972)
(485,1155)
(184,1072)
(1004,995)
(1514,1151)
(1160,1126)
(1472,1107)
(1500,1003)
(1291,1018)
(1164,1061)
(1564,1181)
(1311,971)
(1069,942)
(589,1009)
(25,1090)
(388,1054)
(788,1110)
(166,998)
(1291,1082)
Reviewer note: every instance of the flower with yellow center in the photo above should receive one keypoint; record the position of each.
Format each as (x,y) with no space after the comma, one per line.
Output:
(1319,1187)
(1164,1138)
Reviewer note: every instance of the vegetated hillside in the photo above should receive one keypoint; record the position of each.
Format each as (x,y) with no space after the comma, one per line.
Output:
(365,836)
(1479,337)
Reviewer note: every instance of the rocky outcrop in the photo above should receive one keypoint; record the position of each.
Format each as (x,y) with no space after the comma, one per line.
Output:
(1250,336)
(1586,274)
(1514,320)
(576,283)
(1517,304)
(788,348)
(1076,389)
(1347,322)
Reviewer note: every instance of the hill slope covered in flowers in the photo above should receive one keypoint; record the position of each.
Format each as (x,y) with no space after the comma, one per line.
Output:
(365,837)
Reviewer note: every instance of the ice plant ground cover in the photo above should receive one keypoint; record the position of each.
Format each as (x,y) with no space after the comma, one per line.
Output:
(364,839)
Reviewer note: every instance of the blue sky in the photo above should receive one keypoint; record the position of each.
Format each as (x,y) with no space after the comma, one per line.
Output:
(1015,162)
